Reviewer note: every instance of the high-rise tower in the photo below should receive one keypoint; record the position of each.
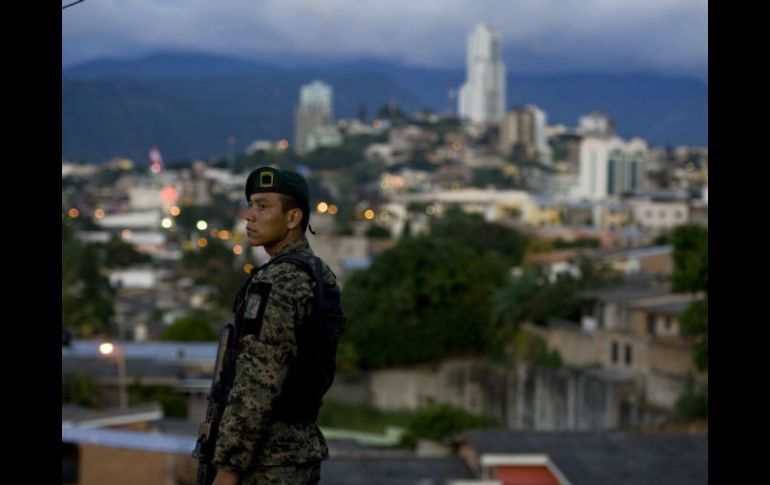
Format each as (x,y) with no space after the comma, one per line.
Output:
(482,97)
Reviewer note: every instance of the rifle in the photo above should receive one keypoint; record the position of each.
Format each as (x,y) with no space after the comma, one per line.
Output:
(222,382)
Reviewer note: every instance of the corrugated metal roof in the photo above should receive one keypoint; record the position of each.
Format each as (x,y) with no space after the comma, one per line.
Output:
(133,440)
(165,351)
(607,458)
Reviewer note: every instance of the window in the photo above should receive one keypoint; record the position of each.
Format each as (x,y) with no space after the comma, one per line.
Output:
(648,214)
(628,354)
(668,323)
(614,352)
(650,325)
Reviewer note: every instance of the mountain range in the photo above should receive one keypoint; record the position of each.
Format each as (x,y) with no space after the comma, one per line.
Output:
(189,104)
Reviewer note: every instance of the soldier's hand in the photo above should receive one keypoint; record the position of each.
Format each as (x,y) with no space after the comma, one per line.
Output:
(225,477)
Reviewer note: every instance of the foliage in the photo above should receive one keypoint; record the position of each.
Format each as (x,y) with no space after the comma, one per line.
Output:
(174,404)
(79,388)
(691,258)
(191,328)
(116,253)
(479,236)
(485,177)
(378,232)
(359,416)
(86,294)
(423,299)
(693,403)
(214,265)
(440,421)
(695,324)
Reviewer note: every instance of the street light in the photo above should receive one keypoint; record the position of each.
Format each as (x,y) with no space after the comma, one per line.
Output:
(119,353)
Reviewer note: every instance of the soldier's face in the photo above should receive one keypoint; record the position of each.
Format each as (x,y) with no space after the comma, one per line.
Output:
(266,222)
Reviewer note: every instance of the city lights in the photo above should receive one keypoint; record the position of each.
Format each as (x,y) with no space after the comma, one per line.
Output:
(126,234)
(174,211)
(322,207)
(369,214)
(224,234)
(99,213)
(238,249)
(73,213)
(248,267)
(166,222)
(282,145)
(202,225)
(332,209)
(202,242)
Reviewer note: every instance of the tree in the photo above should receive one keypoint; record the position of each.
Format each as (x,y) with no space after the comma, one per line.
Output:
(422,300)
(691,258)
(690,254)
(478,235)
(79,388)
(87,296)
(190,329)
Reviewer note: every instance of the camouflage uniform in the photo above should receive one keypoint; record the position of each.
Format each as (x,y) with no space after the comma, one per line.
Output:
(250,442)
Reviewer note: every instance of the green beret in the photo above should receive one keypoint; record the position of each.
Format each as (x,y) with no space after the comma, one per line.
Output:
(268,179)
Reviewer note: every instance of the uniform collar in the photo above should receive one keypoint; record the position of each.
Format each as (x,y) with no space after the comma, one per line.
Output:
(301,245)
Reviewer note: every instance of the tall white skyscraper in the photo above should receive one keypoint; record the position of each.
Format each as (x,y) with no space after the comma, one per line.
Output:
(482,97)
(313,113)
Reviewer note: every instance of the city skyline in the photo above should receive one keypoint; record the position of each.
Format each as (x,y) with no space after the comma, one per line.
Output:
(536,37)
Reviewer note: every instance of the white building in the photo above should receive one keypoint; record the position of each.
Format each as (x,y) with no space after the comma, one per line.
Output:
(482,97)
(596,124)
(610,166)
(313,111)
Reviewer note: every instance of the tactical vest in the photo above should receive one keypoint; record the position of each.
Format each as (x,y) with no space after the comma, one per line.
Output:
(312,372)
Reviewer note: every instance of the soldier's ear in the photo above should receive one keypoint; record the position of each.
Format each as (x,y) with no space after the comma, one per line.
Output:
(295,218)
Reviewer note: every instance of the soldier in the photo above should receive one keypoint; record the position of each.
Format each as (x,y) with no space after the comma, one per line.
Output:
(268,433)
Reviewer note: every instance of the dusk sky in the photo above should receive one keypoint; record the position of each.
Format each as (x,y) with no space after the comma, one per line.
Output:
(662,36)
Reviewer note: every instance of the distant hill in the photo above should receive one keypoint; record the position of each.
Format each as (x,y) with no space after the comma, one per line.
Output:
(189,104)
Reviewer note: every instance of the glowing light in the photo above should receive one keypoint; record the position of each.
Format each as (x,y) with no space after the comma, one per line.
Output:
(332,209)
(282,145)
(169,194)
(431,209)
(73,213)
(202,225)
(322,207)
(224,234)
(248,267)
(369,214)
(166,222)
(155,168)
(106,348)
(126,234)
(237,249)
(175,211)
(690,167)
(202,242)
(99,213)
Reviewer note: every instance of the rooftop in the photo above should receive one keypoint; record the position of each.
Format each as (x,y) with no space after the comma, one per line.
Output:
(607,458)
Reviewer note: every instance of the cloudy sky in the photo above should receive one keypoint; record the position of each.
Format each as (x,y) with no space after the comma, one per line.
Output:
(663,36)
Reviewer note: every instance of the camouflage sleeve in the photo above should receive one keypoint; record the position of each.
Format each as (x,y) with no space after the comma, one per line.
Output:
(262,367)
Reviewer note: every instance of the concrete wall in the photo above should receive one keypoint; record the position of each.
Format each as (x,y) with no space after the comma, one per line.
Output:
(526,398)
(472,384)
(576,347)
